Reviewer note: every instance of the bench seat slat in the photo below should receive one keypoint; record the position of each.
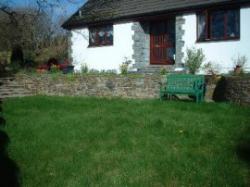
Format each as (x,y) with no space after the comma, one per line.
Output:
(184,84)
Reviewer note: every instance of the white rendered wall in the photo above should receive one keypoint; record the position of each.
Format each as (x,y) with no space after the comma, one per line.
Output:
(106,57)
(221,53)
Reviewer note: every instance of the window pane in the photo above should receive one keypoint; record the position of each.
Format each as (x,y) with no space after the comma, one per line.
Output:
(217,25)
(171,31)
(109,34)
(170,54)
(92,37)
(101,36)
(201,26)
(233,23)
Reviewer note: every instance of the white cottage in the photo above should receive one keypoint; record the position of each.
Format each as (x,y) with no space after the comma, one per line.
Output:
(156,33)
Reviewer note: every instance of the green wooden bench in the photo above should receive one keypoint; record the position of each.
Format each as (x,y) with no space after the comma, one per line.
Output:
(192,85)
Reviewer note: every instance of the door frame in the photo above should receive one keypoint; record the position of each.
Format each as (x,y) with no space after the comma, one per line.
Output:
(153,61)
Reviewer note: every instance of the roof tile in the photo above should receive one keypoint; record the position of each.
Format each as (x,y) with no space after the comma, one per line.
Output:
(96,11)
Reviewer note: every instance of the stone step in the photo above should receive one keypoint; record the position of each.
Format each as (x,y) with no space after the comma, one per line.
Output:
(2,90)
(2,95)
(15,90)
(12,86)
(14,95)
(7,78)
(15,87)
(156,69)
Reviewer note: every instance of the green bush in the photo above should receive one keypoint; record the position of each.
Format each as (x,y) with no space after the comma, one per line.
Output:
(5,57)
(125,65)
(84,68)
(239,65)
(93,71)
(124,69)
(55,69)
(240,61)
(29,59)
(195,57)
(211,68)
(163,71)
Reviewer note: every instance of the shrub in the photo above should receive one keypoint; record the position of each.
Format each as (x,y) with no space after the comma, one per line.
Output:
(111,71)
(124,66)
(108,72)
(163,71)
(5,57)
(55,69)
(240,61)
(29,59)
(14,67)
(102,71)
(84,68)
(211,68)
(124,69)
(5,63)
(239,64)
(93,71)
(194,59)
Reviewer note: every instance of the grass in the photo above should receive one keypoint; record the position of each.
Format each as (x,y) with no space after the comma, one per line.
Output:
(61,141)
(73,76)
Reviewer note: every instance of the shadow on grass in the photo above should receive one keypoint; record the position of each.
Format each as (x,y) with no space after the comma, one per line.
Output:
(243,150)
(220,90)
(9,171)
(180,98)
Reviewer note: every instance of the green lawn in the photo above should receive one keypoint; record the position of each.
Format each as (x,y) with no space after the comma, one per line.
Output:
(61,141)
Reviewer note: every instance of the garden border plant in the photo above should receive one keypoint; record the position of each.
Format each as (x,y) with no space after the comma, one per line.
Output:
(194,59)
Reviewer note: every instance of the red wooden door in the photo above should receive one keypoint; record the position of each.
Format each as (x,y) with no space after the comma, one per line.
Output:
(162,42)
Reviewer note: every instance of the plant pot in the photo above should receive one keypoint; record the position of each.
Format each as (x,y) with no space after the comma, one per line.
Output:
(41,71)
(68,69)
(238,70)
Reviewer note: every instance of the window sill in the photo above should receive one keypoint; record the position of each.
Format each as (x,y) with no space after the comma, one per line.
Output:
(218,40)
(96,46)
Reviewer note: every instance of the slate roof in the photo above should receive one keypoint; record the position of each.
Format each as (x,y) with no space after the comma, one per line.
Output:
(98,11)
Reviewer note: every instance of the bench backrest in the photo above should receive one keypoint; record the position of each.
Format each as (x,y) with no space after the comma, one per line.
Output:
(185,83)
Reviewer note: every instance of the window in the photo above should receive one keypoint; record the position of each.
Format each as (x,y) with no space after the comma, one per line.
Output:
(218,25)
(101,36)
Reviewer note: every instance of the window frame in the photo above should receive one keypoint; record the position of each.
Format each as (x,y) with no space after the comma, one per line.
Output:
(98,43)
(208,30)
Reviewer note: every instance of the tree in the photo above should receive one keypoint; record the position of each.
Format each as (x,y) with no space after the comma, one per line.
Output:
(31,29)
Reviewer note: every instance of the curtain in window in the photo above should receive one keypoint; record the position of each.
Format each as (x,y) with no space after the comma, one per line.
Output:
(217,25)
(201,26)
(232,23)
(101,35)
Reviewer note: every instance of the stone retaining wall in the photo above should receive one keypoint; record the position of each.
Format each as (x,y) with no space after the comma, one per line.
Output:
(237,89)
(137,86)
